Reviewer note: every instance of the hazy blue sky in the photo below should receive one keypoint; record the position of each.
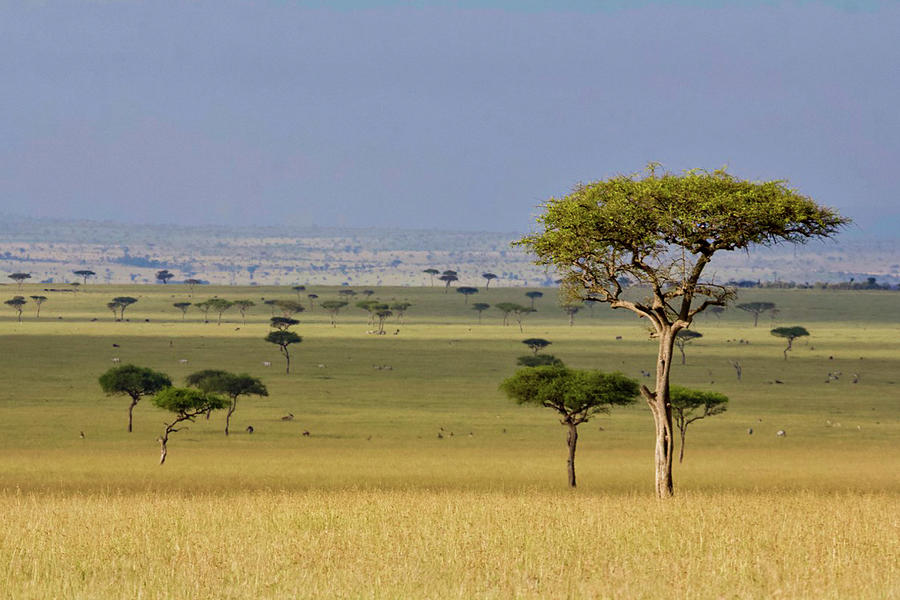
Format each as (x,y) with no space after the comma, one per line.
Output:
(435,114)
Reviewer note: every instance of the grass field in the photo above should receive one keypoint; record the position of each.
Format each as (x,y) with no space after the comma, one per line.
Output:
(373,504)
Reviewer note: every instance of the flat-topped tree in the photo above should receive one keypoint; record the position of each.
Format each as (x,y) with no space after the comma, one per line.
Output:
(187,404)
(228,384)
(243,306)
(448,277)
(135,382)
(20,278)
(571,310)
(466,292)
(312,300)
(333,307)
(283,339)
(576,395)
(692,405)
(536,344)
(84,274)
(400,308)
(368,293)
(489,277)
(790,334)
(661,230)
(538,360)
(289,308)
(282,323)
(507,308)
(346,293)
(164,276)
(298,289)
(17,303)
(219,306)
(114,307)
(381,312)
(685,337)
(431,273)
(480,307)
(369,307)
(534,296)
(38,300)
(756,309)
(182,306)
(204,307)
(122,303)
(191,283)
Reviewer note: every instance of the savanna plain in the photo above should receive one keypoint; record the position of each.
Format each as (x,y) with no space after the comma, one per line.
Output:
(374,503)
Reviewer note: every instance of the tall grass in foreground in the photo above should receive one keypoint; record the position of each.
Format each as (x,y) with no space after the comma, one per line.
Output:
(459,544)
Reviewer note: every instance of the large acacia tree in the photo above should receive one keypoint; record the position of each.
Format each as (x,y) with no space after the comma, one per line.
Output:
(135,382)
(660,230)
(222,382)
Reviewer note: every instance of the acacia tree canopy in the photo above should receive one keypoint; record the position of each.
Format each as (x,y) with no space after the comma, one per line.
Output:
(660,230)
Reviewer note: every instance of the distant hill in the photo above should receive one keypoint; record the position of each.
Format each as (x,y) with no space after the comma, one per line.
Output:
(51,249)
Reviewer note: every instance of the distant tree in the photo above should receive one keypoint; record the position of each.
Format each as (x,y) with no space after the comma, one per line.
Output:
(227,384)
(717,311)
(506,308)
(536,344)
(369,307)
(382,312)
(333,307)
(576,395)
(182,306)
(187,404)
(273,304)
(685,337)
(368,293)
(16,303)
(312,300)
(191,283)
(135,382)
(164,276)
(283,339)
(538,360)
(756,309)
(20,278)
(684,404)
(38,300)
(534,296)
(448,277)
(480,307)
(84,274)
(289,308)
(123,302)
(466,292)
(790,334)
(347,293)
(489,277)
(431,273)
(243,306)
(400,308)
(282,323)
(204,307)
(219,306)
(114,307)
(298,289)
(571,310)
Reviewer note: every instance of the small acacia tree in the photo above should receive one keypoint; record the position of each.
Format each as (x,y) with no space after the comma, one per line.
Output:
(204,307)
(431,273)
(489,277)
(571,310)
(135,382)
(480,307)
(692,405)
(164,276)
(84,274)
(243,306)
(576,395)
(661,231)
(227,384)
(298,289)
(448,277)
(289,308)
(20,278)
(538,360)
(381,312)
(123,302)
(534,296)
(756,309)
(219,306)
(187,404)
(17,303)
(466,292)
(790,334)
(400,309)
(312,300)
(282,337)
(333,307)
(191,283)
(38,300)
(536,344)
(182,306)
(683,338)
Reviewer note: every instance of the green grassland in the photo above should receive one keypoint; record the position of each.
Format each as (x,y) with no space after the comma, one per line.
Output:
(374,504)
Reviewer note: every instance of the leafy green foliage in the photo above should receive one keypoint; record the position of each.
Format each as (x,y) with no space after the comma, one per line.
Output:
(692,405)
(282,323)
(790,334)
(184,401)
(538,360)
(133,381)
(536,344)
(756,309)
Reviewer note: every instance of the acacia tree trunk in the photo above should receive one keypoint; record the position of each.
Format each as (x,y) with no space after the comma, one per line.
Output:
(163,440)
(681,430)
(287,357)
(755,318)
(571,441)
(134,402)
(228,415)
(658,401)
(681,349)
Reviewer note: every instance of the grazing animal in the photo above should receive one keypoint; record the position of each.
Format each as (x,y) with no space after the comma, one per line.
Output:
(116,360)
(81,435)
(305,434)
(440,435)
(780,433)
(115,345)
(183,361)
(321,366)
(855,378)
(288,417)
(618,337)
(249,429)
(750,431)
(266,363)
